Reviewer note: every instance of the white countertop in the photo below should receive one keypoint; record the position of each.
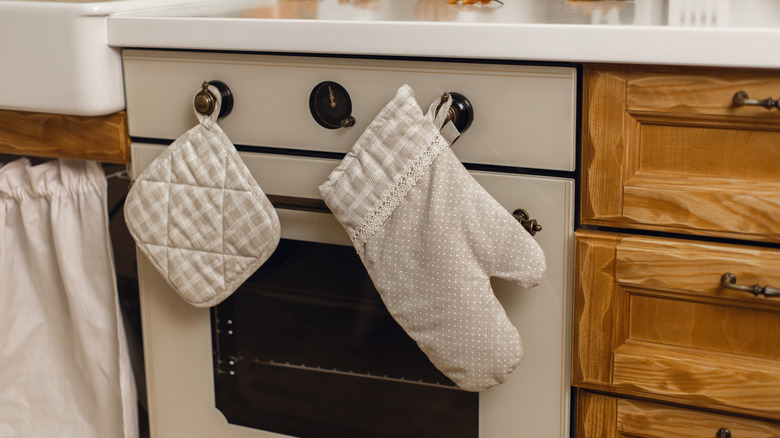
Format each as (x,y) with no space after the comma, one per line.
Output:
(735,33)
(54,57)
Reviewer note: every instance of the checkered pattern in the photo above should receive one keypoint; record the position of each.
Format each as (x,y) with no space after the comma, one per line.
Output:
(355,187)
(199,216)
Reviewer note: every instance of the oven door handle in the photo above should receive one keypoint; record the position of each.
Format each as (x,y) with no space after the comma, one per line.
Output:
(301,204)
(318,206)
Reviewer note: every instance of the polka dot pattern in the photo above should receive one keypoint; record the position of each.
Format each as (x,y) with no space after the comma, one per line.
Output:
(432,261)
(432,257)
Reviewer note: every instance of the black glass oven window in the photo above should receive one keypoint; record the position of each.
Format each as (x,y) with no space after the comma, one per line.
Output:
(307,348)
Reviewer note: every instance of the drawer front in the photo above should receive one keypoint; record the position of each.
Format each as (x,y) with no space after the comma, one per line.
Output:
(706,92)
(524,116)
(652,319)
(668,150)
(605,416)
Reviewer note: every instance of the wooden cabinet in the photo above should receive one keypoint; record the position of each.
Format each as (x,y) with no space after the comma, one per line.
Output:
(668,150)
(612,417)
(652,320)
(661,346)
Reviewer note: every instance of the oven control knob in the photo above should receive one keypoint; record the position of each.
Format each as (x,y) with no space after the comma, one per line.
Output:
(461,113)
(331,106)
(205,101)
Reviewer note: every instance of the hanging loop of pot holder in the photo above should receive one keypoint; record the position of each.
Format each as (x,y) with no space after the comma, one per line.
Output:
(437,113)
(200,217)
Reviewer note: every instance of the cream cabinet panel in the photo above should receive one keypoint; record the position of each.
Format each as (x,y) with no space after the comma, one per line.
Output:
(524,115)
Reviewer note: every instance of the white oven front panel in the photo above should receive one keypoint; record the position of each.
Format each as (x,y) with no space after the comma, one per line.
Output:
(534,402)
(524,116)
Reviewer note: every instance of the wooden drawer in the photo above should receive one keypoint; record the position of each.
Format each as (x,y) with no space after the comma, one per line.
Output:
(666,149)
(602,416)
(651,319)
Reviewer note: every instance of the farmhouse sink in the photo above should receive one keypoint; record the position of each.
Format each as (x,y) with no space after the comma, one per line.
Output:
(54,57)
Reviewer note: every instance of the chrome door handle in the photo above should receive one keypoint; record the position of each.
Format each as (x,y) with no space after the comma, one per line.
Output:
(729,281)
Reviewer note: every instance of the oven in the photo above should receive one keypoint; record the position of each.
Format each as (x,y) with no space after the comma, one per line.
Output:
(305,346)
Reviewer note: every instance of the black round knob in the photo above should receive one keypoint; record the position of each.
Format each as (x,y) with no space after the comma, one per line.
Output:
(331,105)
(205,101)
(723,433)
(461,112)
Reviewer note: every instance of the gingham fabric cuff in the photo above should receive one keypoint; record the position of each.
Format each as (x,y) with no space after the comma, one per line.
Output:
(388,159)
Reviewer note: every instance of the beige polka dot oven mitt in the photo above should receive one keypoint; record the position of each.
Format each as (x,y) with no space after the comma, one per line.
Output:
(431,237)
(200,217)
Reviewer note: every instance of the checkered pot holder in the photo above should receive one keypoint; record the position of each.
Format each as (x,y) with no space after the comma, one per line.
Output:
(200,217)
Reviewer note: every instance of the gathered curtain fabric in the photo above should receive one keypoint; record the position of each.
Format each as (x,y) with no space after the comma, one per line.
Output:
(64,364)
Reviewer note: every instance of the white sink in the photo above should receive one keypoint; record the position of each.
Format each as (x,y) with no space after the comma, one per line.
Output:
(54,57)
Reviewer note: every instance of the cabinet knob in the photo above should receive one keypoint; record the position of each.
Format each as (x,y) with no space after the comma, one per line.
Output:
(205,102)
(723,433)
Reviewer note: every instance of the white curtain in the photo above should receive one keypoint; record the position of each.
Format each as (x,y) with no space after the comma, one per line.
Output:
(64,366)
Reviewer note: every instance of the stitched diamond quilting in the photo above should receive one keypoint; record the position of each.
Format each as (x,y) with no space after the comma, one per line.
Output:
(193,270)
(195,216)
(149,211)
(235,175)
(199,216)
(187,169)
(241,236)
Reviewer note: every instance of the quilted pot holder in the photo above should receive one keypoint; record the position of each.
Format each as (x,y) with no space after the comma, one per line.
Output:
(200,217)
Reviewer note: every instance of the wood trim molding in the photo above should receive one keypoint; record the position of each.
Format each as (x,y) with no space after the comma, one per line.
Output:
(603,150)
(596,415)
(98,138)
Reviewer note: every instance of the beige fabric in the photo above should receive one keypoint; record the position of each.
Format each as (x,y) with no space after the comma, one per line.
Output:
(197,213)
(64,367)
(368,173)
(435,237)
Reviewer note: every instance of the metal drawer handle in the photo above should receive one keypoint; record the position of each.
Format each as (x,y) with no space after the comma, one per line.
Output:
(525,220)
(742,98)
(723,433)
(729,281)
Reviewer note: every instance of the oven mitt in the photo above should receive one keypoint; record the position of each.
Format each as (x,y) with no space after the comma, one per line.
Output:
(430,238)
(199,216)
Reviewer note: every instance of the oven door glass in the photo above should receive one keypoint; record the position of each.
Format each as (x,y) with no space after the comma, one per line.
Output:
(307,348)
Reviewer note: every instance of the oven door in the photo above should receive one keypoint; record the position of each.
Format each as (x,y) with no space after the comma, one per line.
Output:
(302,350)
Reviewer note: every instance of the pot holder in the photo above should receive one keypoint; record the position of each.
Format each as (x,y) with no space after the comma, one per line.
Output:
(200,217)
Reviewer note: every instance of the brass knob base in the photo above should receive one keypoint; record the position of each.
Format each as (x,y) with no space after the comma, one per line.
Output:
(205,101)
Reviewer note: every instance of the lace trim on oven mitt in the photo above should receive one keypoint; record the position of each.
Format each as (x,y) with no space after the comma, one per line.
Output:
(200,217)
(431,237)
